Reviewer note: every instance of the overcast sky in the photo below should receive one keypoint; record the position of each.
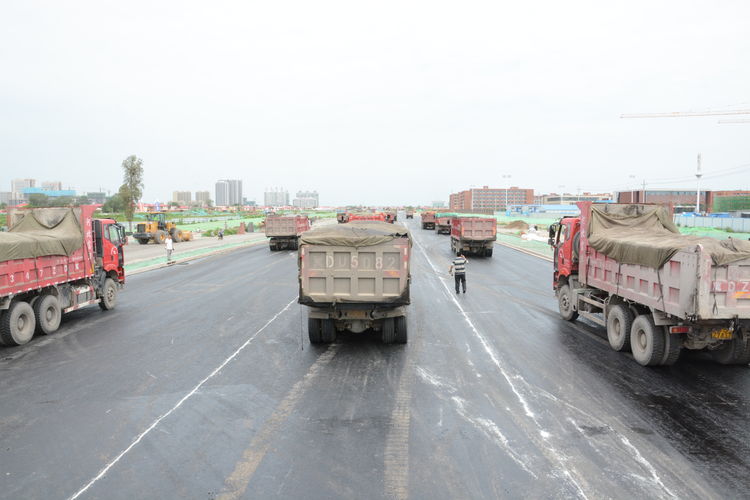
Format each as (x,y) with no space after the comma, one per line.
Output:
(388,102)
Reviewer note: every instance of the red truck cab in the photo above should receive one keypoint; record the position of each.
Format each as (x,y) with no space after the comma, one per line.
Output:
(564,237)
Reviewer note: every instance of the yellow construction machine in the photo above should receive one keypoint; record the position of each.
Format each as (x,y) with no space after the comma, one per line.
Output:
(157,229)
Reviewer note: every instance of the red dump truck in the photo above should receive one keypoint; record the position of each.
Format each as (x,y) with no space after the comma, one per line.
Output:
(284,231)
(476,235)
(443,224)
(626,267)
(367,217)
(355,277)
(53,261)
(342,217)
(410,214)
(428,220)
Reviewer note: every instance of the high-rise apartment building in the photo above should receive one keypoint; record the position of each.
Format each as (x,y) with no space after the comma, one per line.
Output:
(203,197)
(182,197)
(306,199)
(228,192)
(276,197)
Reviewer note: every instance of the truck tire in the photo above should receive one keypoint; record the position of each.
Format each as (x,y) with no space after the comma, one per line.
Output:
(647,341)
(177,236)
(619,324)
(402,335)
(672,347)
(143,241)
(47,314)
(733,352)
(17,324)
(565,303)
(109,295)
(328,329)
(488,252)
(388,334)
(314,330)
(160,237)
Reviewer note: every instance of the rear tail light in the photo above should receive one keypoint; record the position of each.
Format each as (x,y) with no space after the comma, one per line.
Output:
(679,329)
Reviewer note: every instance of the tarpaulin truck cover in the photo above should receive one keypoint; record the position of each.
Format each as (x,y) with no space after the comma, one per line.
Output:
(41,233)
(358,262)
(645,235)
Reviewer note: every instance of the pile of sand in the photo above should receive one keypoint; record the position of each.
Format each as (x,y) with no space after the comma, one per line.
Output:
(517,224)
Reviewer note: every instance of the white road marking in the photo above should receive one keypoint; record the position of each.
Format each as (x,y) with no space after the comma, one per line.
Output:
(556,455)
(187,396)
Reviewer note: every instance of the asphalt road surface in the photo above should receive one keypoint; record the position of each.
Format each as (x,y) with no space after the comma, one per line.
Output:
(202,384)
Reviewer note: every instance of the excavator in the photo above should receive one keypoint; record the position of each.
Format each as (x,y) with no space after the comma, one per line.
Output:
(158,229)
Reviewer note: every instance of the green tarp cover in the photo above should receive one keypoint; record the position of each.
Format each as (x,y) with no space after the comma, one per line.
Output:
(355,234)
(40,233)
(646,235)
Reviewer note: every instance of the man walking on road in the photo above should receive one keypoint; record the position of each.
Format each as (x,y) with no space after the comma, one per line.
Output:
(458,269)
(169,246)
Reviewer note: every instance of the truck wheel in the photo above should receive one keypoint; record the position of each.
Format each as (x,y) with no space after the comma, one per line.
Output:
(177,236)
(672,347)
(314,330)
(17,324)
(388,335)
(565,303)
(646,341)
(328,331)
(160,237)
(733,352)
(401,334)
(109,295)
(619,323)
(143,241)
(489,252)
(47,314)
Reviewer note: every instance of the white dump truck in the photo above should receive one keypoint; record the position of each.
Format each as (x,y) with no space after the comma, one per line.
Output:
(355,277)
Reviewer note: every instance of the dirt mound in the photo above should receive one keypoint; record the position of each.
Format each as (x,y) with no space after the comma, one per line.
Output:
(517,224)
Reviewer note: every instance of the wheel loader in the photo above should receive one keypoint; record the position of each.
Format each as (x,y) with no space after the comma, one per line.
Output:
(158,229)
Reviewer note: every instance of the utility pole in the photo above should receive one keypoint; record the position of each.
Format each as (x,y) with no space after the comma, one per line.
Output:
(698,175)
(644,191)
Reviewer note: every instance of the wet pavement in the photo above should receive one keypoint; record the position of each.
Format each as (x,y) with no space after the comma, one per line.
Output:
(202,384)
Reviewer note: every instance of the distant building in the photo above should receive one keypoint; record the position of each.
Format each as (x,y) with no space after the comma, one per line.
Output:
(306,199)
(276,197)
(5,197)
(438,204)
(182,197)
(52,186)
(228,192)
(52,194)
(681,200)
(488,199)
(16,190)
(203,197)
(571,199)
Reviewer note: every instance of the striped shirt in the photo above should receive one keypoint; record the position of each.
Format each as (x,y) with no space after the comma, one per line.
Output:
(459,265)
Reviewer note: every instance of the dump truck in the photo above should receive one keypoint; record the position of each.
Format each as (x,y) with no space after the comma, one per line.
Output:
(428,220)
(410,214)
(158,229)
(391,216)
(54,261)
(627,268)
(443,223)
(475,235)
(364,216)
(342,217)
(284,231)
(355,277)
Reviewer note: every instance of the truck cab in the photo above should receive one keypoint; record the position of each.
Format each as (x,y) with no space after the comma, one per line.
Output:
(109,239)
(564,238)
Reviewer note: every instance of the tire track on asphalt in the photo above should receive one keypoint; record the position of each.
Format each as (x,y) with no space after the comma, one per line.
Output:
(238,481)
(187,396)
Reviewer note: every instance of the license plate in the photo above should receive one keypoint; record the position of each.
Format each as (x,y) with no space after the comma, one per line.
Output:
(356,314)
(723,334)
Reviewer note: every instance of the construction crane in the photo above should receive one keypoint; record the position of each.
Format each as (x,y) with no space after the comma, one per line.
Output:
(684,114)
